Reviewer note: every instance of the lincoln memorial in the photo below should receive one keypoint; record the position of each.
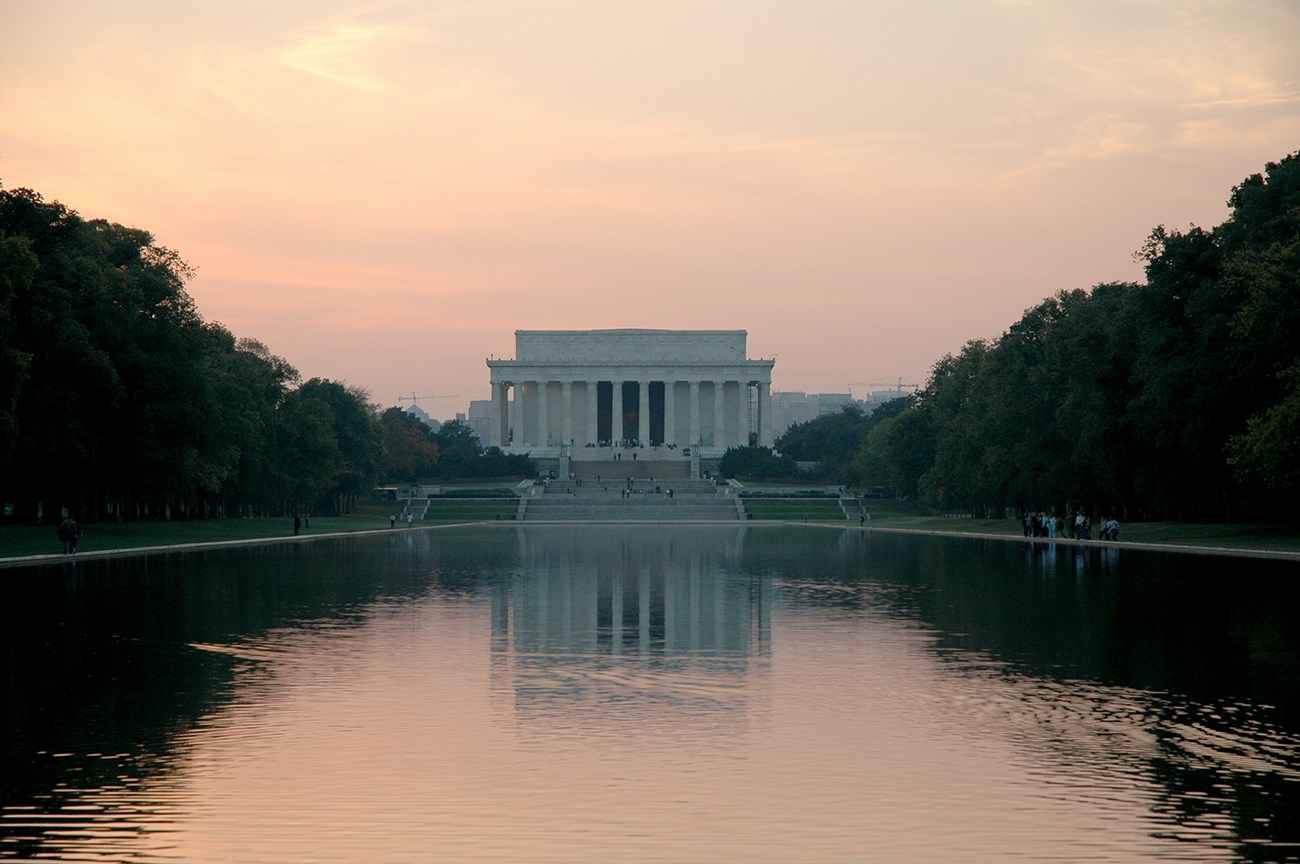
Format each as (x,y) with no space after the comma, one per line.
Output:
(617,388)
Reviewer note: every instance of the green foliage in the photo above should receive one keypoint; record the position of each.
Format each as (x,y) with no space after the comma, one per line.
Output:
(494,462)
(1176,398)
(409,452)
(357,449)
(118,401)
(756,462)
(458,448)
(461,456)
(1267,449)
(812,510)
(833,440)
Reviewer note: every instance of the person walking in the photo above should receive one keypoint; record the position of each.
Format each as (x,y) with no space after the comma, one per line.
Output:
(68,535)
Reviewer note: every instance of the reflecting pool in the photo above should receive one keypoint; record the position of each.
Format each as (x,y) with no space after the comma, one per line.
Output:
(651,693)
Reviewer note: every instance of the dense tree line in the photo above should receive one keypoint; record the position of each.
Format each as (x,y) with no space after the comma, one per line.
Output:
(1176,398)
(118,401)
(829,442)
(832,440)
(412,451)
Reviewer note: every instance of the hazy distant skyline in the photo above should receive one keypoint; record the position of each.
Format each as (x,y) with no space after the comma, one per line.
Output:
(384,192)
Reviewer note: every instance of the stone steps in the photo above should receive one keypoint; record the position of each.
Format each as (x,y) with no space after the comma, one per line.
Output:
(678,468)
(613,485)
(611,506)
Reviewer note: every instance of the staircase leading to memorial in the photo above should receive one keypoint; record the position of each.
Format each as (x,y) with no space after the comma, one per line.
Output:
(637,462)
(610,500)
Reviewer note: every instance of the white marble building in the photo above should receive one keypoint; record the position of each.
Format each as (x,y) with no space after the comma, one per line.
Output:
(673,388)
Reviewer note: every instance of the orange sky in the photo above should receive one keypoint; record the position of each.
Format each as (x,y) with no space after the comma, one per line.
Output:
(384,192)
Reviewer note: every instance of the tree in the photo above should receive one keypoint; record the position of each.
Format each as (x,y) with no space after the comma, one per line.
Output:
(830,440)
(105,337)
(458,448)
(118,401)
(1267,449)
(756,462)
(356,435)
(18,266)
(408,447)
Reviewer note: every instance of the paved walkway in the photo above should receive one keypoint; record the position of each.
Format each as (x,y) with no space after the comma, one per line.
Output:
(1225,551)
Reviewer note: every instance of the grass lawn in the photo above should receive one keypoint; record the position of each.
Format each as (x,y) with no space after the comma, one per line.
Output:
(1276,538)
(788,487)
(471,509)
(893,514)
(18,540)
(813,509)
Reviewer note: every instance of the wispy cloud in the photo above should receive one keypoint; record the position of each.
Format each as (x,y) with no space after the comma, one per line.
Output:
(1254,100)
(347,52)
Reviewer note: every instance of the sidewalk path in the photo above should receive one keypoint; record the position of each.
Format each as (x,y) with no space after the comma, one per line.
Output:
(1224,551)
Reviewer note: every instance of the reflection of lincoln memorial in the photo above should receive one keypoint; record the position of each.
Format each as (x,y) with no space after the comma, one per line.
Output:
(672,388)
(587,593)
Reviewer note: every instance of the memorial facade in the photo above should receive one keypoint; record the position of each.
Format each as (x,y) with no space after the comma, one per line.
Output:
(672,388)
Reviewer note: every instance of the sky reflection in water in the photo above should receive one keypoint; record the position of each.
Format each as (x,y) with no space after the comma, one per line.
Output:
(653,694)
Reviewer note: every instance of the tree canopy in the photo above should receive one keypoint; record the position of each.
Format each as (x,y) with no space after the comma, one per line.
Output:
(832,440)
(117,400)
(1175,398)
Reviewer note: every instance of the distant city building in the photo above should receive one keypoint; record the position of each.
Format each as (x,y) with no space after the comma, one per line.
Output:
(791,407)
(419,413)
(423,416)
(880,397)
(480,418)
(832,403)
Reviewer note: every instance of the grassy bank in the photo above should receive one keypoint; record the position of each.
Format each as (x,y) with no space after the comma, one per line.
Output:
(812,510)
(20,540)
(892,514)
(1274,538)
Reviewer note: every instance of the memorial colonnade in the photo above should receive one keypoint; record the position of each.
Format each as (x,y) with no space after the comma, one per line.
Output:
(641,387)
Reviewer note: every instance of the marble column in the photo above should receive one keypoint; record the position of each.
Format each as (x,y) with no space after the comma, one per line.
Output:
(765,413)
(694,429)
(543,422)
(670,412)
(592,416)
(566,405)
(718,413)
(742,413)
(643,413)
(616,414)
(524,393)
(498,434)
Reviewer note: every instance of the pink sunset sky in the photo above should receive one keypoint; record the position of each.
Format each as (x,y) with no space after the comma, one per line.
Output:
(384,192)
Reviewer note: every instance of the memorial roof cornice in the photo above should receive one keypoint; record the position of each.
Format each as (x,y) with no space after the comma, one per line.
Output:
(626,364)
(626,330)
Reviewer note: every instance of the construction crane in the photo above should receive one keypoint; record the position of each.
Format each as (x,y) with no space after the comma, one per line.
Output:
(415,400)
(889,385)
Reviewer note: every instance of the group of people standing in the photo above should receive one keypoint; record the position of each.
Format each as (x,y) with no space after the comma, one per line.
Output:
(1079,527)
